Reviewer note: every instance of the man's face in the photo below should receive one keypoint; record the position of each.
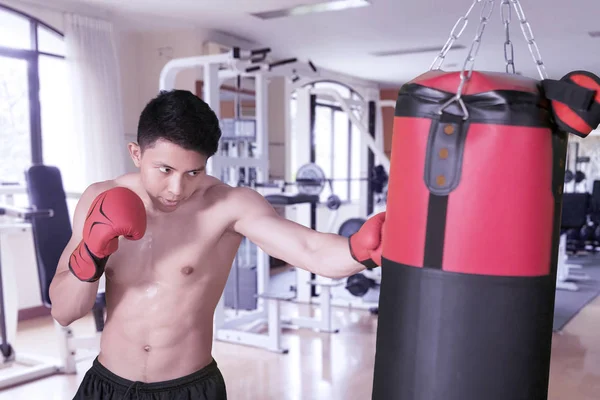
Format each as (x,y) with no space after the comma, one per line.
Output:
(170,174)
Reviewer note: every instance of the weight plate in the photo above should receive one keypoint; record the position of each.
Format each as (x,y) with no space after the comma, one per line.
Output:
(310,172)
(351,226)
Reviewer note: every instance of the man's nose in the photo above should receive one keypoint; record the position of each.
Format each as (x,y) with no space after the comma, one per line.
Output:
(175,186)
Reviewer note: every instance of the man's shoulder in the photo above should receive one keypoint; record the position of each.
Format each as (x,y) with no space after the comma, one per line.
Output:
(236,201)
(94,189)
(222,192)
(238,194)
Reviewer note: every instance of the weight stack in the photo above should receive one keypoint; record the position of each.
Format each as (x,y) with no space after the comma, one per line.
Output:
(470,242)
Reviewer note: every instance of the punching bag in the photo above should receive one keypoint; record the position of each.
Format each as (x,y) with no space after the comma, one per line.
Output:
(470,242)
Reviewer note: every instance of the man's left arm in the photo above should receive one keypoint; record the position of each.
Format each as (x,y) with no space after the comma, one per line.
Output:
(325,254)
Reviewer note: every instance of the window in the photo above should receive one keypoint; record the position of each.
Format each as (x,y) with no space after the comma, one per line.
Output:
(33,86)
(337,142)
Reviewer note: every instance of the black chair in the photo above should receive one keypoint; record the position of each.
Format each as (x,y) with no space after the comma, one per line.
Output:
(51,235)
(575,209)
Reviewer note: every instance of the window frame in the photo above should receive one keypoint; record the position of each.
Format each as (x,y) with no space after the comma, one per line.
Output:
(32,56)
(347,197)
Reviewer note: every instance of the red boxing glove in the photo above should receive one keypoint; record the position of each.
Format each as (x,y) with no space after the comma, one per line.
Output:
(115,212)
(365,245)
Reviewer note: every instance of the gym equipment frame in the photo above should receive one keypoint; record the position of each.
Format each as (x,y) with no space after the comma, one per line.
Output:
(243,63)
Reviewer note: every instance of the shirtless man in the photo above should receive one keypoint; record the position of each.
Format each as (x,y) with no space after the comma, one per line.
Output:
(165,239)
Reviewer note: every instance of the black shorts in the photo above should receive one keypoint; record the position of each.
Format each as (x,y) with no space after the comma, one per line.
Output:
(101,384)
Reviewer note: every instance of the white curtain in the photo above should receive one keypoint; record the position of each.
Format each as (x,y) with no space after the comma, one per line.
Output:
(93,72)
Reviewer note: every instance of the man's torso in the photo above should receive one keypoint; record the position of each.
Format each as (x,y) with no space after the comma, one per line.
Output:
(161,291)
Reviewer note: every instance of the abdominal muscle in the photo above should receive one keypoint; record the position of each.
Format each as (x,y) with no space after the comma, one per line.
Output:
(156,333)
(159,323)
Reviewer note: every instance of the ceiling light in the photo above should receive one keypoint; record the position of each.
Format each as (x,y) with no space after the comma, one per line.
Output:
(332,5)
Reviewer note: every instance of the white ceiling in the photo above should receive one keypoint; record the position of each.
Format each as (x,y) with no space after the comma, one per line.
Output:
(344,40)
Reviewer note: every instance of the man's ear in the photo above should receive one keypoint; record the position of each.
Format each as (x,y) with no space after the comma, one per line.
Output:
(135,152)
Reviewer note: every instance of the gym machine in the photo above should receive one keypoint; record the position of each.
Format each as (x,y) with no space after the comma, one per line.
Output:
(261,302)
(243,160)
(16,368)
(362,115)
(575,173)
(48,220)
(243,157)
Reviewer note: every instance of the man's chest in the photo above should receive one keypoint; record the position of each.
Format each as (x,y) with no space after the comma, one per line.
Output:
(175,250)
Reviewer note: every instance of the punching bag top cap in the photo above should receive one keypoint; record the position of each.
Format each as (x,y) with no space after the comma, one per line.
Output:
(479,82)
(488,97)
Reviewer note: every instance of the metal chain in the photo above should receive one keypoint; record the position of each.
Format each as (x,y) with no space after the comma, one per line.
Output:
(509,51)
(457,30)
(528,33)
(467,69)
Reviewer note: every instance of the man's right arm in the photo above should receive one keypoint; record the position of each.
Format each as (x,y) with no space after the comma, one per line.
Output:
(72,298)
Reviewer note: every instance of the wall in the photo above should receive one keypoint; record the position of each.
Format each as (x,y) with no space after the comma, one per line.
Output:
(142,57)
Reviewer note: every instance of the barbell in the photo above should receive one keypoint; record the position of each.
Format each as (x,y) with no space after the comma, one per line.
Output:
(578,176)
(311,179)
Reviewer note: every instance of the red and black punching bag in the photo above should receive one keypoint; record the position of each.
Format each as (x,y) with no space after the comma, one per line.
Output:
(470,240)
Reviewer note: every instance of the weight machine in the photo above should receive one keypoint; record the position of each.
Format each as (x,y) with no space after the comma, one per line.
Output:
(237,64)
(243,160)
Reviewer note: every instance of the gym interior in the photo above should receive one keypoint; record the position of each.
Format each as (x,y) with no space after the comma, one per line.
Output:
(310,95)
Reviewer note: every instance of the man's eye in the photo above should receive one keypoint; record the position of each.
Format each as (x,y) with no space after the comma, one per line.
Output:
(164,169)
(193,173)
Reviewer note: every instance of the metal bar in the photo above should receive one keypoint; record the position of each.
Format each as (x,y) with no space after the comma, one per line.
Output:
(173,67)
(4,346)
(371,159)
(35,117)
(24,213)
(21,189)
(313,155)
(262,126)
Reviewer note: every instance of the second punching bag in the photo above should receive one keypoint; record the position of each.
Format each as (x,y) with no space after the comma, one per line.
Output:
(469,253)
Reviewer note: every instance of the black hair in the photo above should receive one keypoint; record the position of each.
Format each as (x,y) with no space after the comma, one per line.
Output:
(181,118)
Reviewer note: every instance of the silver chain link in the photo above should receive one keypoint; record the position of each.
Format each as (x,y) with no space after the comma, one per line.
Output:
(528,33)
(469,64)
(509,51)
(457,30)
(467,69)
